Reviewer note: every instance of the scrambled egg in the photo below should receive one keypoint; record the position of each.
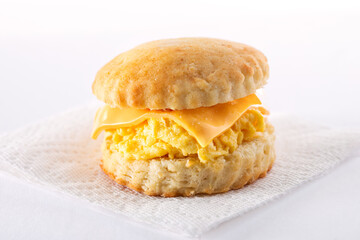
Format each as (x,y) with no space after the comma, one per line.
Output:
(157,137)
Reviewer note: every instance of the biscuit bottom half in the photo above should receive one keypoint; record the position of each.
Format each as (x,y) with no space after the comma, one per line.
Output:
(188,176)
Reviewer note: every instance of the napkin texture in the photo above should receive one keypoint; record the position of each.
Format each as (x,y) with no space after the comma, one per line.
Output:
(59,154)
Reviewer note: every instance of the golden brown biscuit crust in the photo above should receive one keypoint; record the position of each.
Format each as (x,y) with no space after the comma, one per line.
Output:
(188,176)
(181,73)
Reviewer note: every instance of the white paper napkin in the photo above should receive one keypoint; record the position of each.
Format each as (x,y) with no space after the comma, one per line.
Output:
(59,154)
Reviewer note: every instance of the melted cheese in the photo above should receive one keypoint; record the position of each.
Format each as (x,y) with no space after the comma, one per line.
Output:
(204,123)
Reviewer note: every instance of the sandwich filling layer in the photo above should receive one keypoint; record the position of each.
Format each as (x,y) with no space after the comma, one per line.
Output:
(204,123)
(208,132)
(158,137)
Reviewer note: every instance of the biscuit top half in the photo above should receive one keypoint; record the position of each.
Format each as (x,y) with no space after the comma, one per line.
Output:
(182,73)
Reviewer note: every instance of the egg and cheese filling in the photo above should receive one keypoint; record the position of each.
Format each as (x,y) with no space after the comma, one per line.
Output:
(159,137)
(207,132)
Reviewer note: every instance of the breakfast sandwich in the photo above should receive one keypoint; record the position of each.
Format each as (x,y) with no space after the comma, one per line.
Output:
(181,117)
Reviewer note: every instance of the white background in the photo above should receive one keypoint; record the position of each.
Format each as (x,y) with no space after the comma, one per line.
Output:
(49,55)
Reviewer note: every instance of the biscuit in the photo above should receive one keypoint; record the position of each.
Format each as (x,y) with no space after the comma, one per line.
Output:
(181,73)
(188,176)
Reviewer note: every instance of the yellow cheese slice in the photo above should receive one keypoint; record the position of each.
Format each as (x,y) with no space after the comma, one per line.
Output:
(204,123)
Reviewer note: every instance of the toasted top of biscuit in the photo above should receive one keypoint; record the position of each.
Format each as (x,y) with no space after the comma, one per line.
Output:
(182,73)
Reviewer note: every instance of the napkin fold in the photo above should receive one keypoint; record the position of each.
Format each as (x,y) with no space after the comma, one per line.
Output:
(59,154)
